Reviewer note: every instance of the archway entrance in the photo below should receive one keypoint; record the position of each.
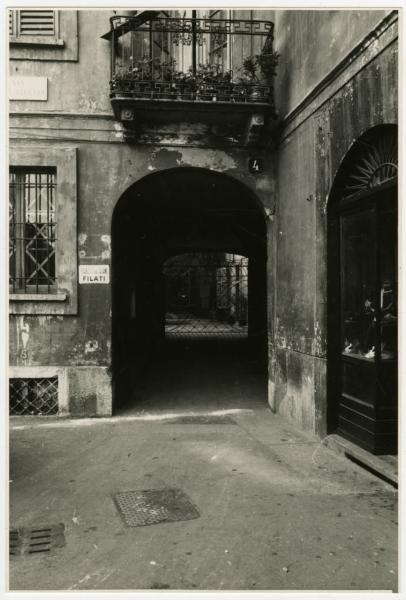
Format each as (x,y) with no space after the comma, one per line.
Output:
(362,401)
(189,290)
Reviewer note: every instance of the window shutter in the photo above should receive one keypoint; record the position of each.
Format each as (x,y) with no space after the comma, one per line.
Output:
(10,22)
(37,22)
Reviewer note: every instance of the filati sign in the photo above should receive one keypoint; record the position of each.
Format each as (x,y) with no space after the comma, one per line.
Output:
(94,274)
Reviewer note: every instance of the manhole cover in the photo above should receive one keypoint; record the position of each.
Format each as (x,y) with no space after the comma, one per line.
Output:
(147,507)
(202,420)
(36,540)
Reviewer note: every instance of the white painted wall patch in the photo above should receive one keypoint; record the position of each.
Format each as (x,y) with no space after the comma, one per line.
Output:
(28,88)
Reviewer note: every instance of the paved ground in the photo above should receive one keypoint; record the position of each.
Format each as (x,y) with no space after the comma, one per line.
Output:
(278,511)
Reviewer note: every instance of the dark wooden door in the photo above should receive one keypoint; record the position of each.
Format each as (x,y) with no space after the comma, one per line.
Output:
(367,352)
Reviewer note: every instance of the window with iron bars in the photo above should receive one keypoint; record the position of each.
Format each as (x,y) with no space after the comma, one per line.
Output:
(32,238)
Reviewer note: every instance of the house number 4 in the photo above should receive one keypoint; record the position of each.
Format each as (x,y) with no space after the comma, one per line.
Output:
(256,165)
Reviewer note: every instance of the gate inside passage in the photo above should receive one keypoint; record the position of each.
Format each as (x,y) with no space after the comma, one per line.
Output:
(206,296)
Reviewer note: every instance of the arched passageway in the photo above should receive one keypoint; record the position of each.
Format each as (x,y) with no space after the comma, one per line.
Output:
(182,236)
(362,294)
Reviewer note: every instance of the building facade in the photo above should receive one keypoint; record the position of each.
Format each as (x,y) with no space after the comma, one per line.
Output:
(138,137)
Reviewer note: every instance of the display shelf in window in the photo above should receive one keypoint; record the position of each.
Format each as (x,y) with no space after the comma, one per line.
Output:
(358,297)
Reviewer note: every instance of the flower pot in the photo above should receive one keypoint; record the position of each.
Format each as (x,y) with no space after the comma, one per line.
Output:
(137,90)
(255,94)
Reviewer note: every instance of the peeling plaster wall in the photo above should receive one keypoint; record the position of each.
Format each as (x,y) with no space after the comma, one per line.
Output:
(309,155)
(105,171)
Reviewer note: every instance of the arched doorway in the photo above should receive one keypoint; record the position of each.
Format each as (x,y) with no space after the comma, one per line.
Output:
(182,212)
(362,294)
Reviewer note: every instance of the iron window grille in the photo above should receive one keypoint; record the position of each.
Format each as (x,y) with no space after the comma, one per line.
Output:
(32,237)
(32,22)
(189,58)
(34,396)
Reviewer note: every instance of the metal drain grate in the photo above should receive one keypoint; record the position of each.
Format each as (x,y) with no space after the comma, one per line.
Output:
(148,507)
(202,420)
(34,396)
(36,540)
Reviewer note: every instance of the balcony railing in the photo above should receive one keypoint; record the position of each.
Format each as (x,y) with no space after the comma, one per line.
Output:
(192,59)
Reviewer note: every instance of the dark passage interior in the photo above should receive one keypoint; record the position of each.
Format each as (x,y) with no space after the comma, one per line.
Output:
(189,294)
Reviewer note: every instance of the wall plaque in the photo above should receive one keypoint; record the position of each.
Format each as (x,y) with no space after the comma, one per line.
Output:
(94,274)
(28,88)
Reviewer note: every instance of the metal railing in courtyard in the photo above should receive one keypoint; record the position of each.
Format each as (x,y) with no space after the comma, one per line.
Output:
(207,298)
(192,58)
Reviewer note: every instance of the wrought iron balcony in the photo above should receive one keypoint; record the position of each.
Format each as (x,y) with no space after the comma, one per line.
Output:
(181,62)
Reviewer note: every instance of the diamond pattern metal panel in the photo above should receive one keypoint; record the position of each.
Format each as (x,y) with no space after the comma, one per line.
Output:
(149,507)
(34,396)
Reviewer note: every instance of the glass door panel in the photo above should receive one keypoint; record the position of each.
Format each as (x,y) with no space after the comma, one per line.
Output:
(388,286)
(358,285)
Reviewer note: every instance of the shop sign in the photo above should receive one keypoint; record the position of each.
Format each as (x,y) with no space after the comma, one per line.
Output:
(28,88)
(94,274)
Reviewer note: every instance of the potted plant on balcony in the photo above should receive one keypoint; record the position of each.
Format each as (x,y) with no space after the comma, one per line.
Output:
(152,78)
(258,73)
(205,89)
(183,85)
(267,62)
(250,79)
(134,79)
(162,76)
(121,82)
(140,72)
(212,83)
(189,85)
(225,86)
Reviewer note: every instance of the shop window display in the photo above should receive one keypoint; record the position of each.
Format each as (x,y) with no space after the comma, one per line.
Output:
(365,304)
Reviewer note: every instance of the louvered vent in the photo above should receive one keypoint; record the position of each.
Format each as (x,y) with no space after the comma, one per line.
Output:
(10,22)
(37,22)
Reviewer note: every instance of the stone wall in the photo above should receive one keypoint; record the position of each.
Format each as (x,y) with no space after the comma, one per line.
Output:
(313,144)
